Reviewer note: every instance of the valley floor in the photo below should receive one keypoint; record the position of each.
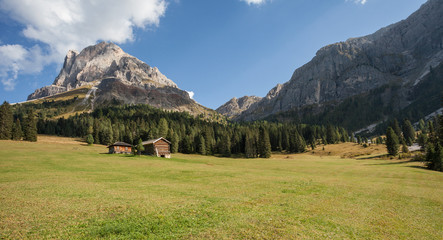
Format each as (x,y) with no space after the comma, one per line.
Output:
(59,188)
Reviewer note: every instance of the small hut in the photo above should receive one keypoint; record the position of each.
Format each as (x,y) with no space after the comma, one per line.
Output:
(120,147)
(158,147)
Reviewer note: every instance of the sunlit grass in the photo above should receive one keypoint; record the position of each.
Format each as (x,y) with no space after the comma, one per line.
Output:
(61,188)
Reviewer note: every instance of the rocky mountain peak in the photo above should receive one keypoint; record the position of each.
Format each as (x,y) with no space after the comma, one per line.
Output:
(100,61)
(111,75)
(235,107)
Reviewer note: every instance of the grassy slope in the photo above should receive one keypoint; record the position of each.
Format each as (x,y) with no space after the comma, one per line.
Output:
(59,188)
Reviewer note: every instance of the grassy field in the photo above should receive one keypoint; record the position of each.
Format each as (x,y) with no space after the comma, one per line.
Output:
(59,188)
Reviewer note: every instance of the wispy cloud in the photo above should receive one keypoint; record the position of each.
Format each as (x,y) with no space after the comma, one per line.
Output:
(362,2)
(255,2)
(15,59)
(59,26)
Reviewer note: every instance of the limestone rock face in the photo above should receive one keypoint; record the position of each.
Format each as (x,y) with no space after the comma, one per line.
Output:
(101,61)
(235,107)
(402,52)
(118,76)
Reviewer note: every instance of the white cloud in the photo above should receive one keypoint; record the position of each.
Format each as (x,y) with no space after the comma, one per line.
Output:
(191,94)
(256,2)
(362,2)
(61,25)
(15,59)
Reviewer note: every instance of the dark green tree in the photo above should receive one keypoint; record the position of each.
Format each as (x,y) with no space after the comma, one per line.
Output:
(250,145)
(422,139)
(434,157)
(422,125)
(264,143)
(186,145)
(404,148)
(202,145)
(392,142)
(408,132)
(89,139)
(175,142)
(226,149)
(163,128)
(140,148)
(17,132)
(6,121)
(331,134)
(359,140)
(396,127)
(30,127)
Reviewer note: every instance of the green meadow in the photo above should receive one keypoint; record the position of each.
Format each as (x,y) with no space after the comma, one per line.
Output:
(60,188)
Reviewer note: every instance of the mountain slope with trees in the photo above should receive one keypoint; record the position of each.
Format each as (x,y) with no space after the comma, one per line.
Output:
(394,72)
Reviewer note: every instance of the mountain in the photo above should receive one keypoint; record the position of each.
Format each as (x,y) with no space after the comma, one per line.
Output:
(385,69)
(112,76)
(235,107)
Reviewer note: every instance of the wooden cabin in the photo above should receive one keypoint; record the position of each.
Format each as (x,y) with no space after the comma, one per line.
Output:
(157,147)
(120,147)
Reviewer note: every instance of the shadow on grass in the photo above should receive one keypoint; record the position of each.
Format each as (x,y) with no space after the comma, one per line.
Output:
(420,167)
(391,163)
(380,156)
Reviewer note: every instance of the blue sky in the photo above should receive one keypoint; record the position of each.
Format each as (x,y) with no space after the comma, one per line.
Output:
(218,49)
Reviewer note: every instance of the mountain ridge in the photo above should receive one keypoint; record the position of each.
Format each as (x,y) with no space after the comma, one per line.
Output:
(401,52)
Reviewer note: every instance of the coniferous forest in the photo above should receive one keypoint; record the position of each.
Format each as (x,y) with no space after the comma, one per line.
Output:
(188,134)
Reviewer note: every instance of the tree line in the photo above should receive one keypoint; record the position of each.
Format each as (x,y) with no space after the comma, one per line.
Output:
(17,128)
(429,137)
(188,134)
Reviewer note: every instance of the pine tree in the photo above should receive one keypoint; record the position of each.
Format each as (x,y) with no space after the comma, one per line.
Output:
(175,142)
(250,145)
(163,128)
(397,130)
(404,148)
(422,125)
(30,127)
(422,139)
(202,145)
(140,148)
(17,132)
(391,142)
(226,146)
(186,145)
(6,121)
(89,139)
(265,144)
(331,135)
(408,132)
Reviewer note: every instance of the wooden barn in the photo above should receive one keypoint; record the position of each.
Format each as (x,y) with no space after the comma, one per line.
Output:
(158,147)
(120,147)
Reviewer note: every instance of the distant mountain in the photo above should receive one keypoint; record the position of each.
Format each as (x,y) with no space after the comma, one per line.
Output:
(386,70)
(235,107)
(113,76)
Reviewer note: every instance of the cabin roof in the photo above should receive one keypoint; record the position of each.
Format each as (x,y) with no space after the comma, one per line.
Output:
(152,141)
(120,144)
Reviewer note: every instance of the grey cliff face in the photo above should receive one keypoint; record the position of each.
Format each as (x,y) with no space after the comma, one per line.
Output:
(400,52)
(101,61)
(235,107)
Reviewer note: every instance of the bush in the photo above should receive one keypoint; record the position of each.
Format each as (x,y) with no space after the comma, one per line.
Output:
(89,139)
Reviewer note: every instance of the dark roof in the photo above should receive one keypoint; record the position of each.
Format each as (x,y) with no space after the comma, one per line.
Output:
(152,141)
(120,144)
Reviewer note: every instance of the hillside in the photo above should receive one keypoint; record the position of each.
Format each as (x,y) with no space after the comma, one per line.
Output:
(387,69)
(59,188)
